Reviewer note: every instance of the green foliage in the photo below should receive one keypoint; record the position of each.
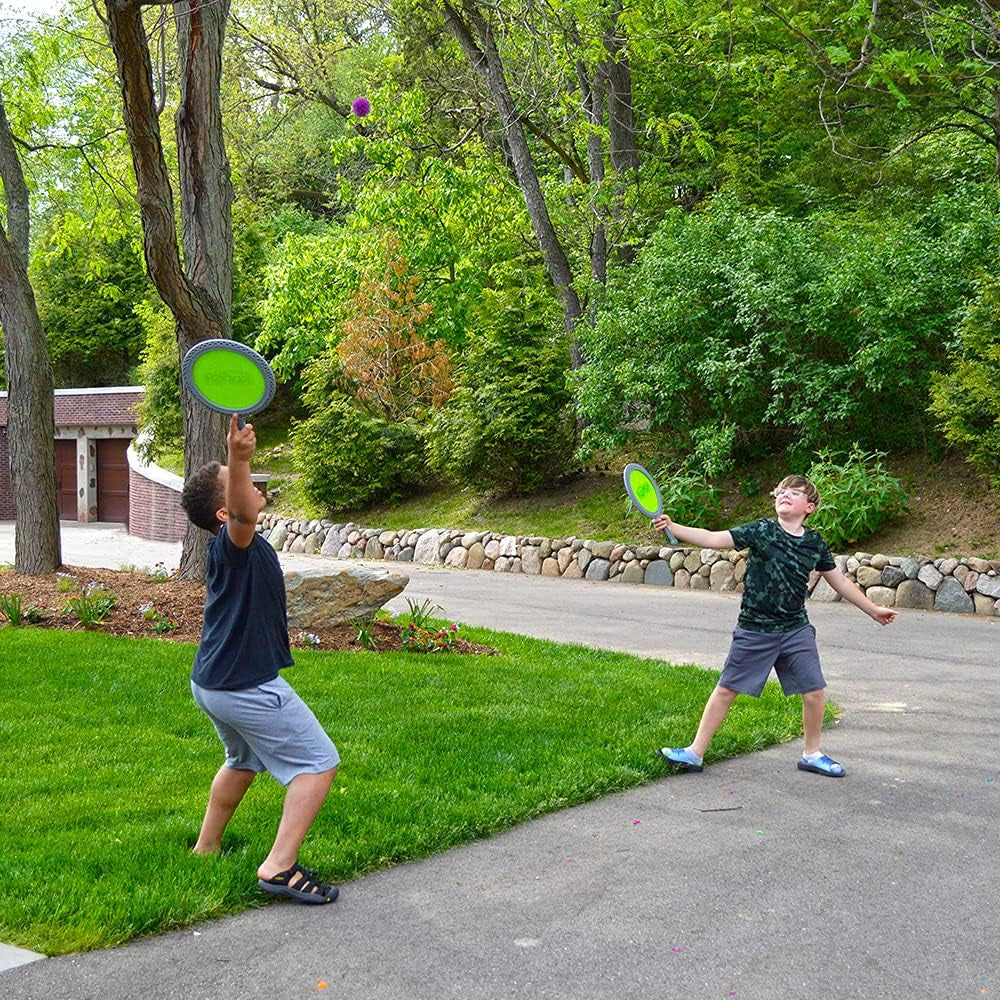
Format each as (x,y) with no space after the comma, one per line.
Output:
(857,495)
(966,397)
(158,414)
(363,634)
(421,614)
(417,639)
(741,332)
(91,607)
(12,608)
(88,278)
(348,458)
(688,497)
(509,423)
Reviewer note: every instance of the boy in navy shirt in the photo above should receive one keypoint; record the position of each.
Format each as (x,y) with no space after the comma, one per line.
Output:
(263,724)
(773,629)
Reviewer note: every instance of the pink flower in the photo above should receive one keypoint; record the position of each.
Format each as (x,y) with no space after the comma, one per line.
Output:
(361,106)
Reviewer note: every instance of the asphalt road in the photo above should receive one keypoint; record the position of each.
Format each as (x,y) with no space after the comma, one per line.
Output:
(751,880)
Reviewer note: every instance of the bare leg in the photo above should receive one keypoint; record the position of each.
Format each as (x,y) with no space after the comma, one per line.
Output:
(228,788)
(813,703)
(716,709)
(303,799)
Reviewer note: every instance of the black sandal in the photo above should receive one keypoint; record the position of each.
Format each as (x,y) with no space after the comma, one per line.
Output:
(307,888)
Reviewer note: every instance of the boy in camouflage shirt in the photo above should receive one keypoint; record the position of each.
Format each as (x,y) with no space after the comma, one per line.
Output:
(773,629)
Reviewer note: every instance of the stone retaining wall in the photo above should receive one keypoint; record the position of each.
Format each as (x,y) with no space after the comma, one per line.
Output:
(963,586)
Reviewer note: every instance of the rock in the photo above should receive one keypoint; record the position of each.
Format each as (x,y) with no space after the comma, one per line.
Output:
(573,570)
(313,544)
(980,565)
(892,577)
(930,575)
(476,556)
(373,548)
(277,537)
(564,557)
(910,567)
(879,561)
(502,564)
(824,592)
(914,594)
(947,566)
(988,585)
(427,551)
(321,597)
(951,596)
(634,573)
(405,554)
(457,557)
(602,550)
(531,560)
(682,579)
(699,582)
(386,538)
(550,567)
(598,568)
(984,604)
(868,576)
(345,551)
(508,546)
(721,573)
(583,557)
(677,561)
(659,574)
(647,552)
(471,538)
(709,557)
(884,597)
(692,562)
(492,548)
(970,582)
(298,545)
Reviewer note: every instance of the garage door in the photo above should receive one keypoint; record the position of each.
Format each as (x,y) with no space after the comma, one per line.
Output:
(112,480)
(66,480)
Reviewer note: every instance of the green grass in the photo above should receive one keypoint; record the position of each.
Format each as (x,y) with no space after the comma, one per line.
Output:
(107,763)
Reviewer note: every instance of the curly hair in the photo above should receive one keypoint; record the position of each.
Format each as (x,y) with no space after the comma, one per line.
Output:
(203,495)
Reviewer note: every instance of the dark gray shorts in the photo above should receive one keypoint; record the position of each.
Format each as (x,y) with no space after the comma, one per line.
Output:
(792,654)
(268,728)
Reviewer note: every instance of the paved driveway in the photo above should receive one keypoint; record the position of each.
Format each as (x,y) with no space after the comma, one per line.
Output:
(751,877)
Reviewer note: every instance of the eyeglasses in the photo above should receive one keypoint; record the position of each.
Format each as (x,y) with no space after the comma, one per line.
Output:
(787,491)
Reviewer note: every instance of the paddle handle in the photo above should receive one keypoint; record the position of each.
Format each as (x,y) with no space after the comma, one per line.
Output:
(241,421)
(670,536)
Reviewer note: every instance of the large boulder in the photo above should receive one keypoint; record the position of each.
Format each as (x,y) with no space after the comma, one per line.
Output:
(321,597)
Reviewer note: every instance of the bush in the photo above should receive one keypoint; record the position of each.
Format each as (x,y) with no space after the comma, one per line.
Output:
(966,399)
(857,496)
(509,424)
(348,458)
(688,497)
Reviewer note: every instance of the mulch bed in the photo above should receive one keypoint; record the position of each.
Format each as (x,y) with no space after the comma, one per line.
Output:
(178,602)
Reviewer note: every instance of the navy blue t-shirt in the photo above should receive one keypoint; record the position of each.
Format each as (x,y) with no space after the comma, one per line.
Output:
(244,639)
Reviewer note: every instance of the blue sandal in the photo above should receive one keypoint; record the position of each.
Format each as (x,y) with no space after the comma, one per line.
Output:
(679,757)
(823,765)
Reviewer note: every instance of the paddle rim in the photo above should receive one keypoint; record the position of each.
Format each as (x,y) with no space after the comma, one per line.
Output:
(236,349)
(633,468)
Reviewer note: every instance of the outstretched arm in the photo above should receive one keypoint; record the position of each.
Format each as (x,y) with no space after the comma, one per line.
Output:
(853,593)
(695,536)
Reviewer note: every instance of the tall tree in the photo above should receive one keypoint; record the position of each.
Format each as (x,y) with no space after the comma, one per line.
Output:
(30,411)
(199,292)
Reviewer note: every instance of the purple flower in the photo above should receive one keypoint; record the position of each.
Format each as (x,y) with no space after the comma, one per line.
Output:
(361,106)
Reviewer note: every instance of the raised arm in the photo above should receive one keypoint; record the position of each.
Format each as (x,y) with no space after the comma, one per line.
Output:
(242,499)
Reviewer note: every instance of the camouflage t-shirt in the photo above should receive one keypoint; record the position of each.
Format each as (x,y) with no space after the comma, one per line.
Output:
(777,577)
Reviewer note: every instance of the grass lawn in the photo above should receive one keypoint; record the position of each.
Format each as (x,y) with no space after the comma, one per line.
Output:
(107,761)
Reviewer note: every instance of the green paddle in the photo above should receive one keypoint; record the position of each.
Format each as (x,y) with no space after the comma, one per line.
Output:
(228,377)
(645,494)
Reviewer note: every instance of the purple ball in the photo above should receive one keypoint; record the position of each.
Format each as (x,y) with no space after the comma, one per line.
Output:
(361,106)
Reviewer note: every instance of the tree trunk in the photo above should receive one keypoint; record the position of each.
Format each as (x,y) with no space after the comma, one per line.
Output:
(200,294)
(475,36)
(30,414)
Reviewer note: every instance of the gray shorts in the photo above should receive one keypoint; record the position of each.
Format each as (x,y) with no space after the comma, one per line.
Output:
(792,654)
(268,728)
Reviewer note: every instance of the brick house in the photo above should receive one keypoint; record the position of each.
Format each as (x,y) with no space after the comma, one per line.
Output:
(99,475)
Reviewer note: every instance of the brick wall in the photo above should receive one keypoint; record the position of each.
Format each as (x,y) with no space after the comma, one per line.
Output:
(89,407)
(6,491)
(154,502)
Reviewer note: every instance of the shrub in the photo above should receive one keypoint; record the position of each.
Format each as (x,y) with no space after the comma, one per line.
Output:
(688,497)
(347,458)
(92,607)
(857,495)
(966,398)
(509,425)
(12,608)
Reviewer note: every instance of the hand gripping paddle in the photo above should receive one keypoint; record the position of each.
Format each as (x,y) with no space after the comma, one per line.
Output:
(645,494)
(228,377)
